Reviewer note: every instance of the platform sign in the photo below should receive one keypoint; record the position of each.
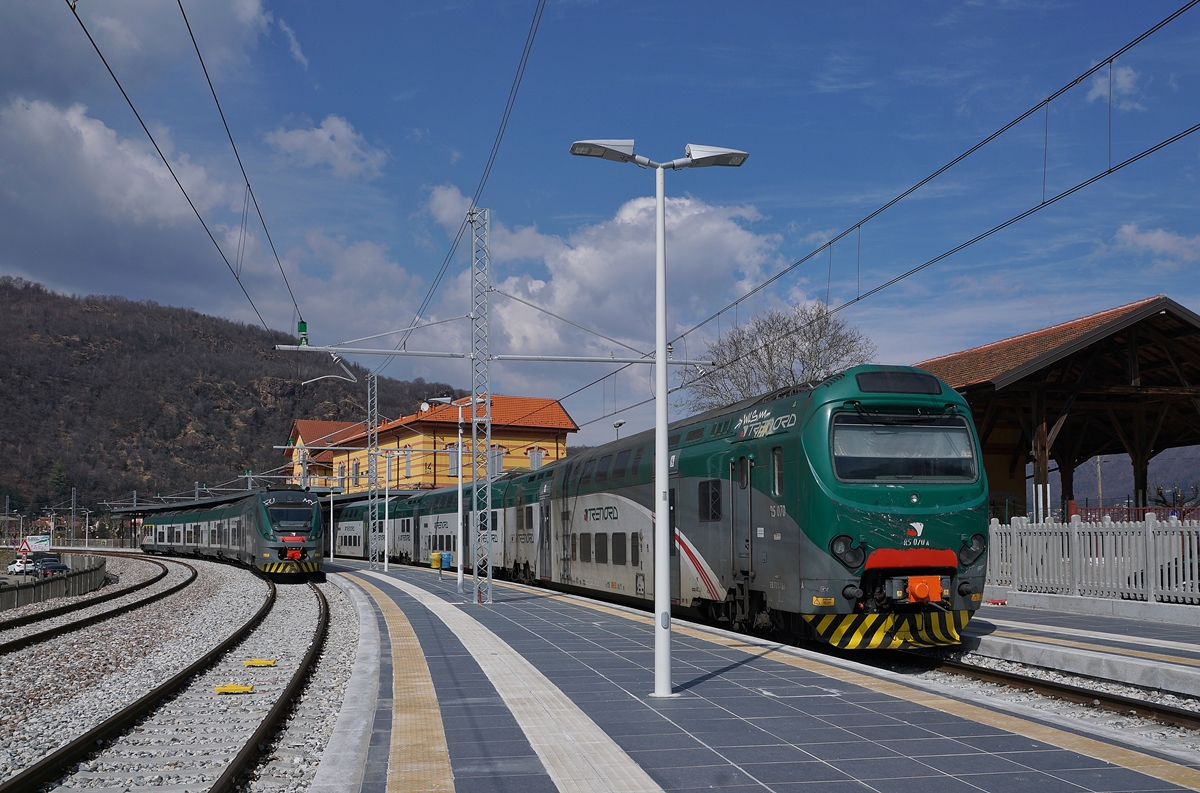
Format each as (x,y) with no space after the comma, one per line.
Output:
(39,543)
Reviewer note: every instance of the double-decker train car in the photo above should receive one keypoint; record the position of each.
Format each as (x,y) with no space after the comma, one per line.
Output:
(276,531)
(853,512)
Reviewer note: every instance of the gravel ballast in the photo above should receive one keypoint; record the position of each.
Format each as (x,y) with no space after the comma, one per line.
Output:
(56,690)
(295,752)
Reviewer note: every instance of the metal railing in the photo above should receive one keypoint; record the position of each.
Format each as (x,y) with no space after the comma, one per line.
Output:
(1148,560)
(87,575)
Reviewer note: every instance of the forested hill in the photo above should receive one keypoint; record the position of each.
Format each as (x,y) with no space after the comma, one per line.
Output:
(110,395)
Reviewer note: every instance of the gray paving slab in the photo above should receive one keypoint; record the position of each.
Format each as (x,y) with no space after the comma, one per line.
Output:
(743,721)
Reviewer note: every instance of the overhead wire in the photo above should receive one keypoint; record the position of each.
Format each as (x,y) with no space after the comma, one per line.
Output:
(238,157)
(166,162)
(904,194)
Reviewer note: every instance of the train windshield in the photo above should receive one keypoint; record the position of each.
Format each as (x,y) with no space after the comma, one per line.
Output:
(874,448)
(292,516)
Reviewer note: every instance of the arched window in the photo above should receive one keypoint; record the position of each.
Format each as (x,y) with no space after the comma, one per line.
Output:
(454,456)
(357,474)
(536,455)
(407,454)
(341,475)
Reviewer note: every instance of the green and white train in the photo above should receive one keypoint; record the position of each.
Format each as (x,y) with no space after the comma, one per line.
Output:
(276,531)
(854,512)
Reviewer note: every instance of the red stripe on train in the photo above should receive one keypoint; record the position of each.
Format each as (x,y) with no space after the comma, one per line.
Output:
(911,557)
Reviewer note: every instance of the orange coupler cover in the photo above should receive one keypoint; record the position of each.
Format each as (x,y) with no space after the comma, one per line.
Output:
(924,588)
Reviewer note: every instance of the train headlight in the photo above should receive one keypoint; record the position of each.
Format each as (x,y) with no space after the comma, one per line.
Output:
(846,552)
(972,550)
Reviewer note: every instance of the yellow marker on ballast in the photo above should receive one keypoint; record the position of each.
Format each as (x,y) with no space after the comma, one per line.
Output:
(260,662)
(233,688)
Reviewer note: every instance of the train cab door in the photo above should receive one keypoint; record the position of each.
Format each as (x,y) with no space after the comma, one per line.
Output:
(541,516)
(673,478)
(741,532)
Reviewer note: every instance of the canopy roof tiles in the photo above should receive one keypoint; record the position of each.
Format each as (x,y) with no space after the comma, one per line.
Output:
(1000,363)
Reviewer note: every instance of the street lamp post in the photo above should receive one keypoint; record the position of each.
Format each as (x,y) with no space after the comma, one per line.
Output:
(458,551)
(617,426)
(694,157)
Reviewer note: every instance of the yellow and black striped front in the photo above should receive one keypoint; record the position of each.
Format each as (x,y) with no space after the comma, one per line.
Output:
(290,567)
(867,631)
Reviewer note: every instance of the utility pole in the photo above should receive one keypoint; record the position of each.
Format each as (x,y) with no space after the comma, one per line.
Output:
(481,396)
(374,534)
(72,516)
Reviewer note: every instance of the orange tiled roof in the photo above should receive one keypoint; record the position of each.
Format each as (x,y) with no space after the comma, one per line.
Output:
(990,361)
(507,411)
(324,433)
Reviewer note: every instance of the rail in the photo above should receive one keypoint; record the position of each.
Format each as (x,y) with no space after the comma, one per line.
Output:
(80,581)
(55,764)
(50,633)
(1146,560)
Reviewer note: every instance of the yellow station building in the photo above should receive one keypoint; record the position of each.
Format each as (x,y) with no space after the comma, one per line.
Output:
(419,450)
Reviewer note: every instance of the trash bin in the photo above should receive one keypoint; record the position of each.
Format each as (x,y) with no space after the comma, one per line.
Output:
(447,560)
(435,560)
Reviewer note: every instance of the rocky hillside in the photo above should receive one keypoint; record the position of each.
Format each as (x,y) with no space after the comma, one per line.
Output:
(109,395)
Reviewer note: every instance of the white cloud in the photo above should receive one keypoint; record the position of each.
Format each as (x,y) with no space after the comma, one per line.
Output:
(334,143)
(1171,248)
(65,153)
(1124,87)
(293,44)
(602,275)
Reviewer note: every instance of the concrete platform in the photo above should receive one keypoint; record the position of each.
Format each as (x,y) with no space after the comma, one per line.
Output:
(1143,653)
(545,692)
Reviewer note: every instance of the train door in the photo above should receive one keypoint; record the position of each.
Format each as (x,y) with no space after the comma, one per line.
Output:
(741,533)
(538,515)
(673,543)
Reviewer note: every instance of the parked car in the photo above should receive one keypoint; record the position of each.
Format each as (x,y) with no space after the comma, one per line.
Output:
(53,568)
(18,567)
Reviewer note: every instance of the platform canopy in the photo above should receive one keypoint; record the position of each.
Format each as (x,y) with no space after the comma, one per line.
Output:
(1122,380)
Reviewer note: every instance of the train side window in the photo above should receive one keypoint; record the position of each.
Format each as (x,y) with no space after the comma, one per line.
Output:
(709,498)
(618,471)
(601,547)
(585,547)
(602,468)
(777,471)
(574,547)
(635,549)
(586,478)
(618,547)
(743,472)
(637,461)
(520,520)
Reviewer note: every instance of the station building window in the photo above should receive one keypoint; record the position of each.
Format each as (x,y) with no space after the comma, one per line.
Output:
(536,455)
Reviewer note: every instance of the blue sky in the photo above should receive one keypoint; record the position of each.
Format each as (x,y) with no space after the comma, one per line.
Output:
(362,126)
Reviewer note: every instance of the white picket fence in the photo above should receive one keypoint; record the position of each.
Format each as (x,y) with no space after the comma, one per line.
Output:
(1150,560)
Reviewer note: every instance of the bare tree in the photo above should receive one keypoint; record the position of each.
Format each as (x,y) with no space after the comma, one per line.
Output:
(773,350)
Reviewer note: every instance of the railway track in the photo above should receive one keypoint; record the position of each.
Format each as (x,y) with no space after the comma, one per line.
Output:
(183,732)
(11,644)
(58,611)
(1164,714)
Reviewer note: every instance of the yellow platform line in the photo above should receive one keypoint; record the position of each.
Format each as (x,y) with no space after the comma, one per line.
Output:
(418,758)
(579,756)
(1089,747)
